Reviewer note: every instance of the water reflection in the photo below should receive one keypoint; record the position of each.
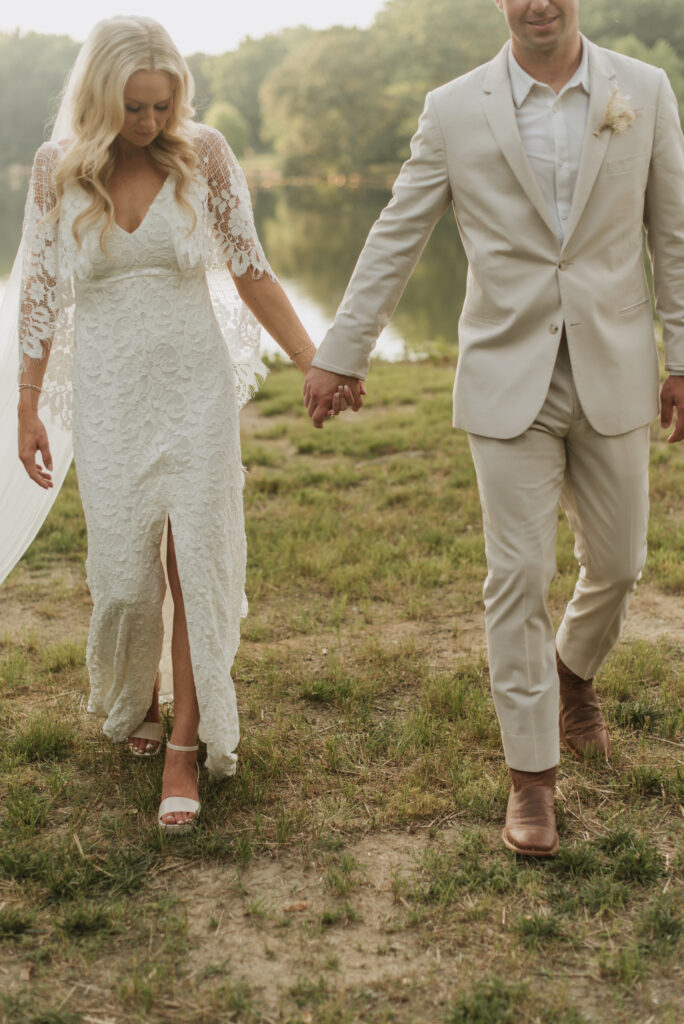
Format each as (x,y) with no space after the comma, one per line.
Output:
(313,237)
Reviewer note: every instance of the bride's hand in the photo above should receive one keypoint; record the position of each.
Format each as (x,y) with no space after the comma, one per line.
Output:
(33,438)
(343,399)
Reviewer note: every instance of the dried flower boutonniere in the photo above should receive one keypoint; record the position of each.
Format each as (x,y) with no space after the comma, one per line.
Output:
(618,116)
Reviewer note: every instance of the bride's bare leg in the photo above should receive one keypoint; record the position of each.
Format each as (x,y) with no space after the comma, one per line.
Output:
(180,774)
(153,715)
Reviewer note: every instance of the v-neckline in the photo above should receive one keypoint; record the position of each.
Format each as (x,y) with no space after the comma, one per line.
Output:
(145,215)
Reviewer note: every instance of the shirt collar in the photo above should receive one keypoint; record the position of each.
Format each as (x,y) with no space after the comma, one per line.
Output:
(522,83)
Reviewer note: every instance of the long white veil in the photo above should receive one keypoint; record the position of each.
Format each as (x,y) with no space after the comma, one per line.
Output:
(23,504)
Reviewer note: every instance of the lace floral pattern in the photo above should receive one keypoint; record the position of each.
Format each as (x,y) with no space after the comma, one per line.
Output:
(39,306)
(156,393)
(229,207)
(45,320)
(223,237)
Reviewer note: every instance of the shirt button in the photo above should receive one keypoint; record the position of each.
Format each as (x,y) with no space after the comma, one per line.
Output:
(553,329)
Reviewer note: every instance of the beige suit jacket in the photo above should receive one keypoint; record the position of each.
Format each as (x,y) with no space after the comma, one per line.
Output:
(523,284)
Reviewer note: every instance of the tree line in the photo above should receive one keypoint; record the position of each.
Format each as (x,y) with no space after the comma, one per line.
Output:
(339,101)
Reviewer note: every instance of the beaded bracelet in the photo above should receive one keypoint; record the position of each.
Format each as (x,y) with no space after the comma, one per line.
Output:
(29,387)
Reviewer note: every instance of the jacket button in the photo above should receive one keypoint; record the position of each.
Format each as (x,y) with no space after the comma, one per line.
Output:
(562,265)
(553,329)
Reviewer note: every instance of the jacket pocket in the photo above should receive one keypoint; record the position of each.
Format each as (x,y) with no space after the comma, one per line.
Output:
(634,306)
(627,164)
(479,319)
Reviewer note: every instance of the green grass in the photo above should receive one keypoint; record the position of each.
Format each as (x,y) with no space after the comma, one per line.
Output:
(494,1001)
(15,922)
(45,737)
(490,1002)
(370,769)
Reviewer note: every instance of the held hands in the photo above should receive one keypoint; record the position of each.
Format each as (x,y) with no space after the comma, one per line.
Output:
(671,398)
(33,438)
(328,394)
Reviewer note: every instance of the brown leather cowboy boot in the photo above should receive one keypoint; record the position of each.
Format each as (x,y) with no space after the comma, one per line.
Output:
(530,821)
(582,726)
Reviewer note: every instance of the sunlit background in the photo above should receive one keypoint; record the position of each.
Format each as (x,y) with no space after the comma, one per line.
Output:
(319,99)
(207,26)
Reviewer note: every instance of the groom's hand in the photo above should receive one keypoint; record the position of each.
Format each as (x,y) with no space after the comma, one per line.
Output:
(320,388)
(671,398)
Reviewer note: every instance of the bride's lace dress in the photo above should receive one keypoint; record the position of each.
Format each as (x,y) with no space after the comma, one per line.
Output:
(141,363)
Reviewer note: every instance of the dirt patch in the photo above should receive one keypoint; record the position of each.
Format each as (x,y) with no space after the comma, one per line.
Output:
(53,606)
(267,924)
(446,637)
(443,638)
(654,615)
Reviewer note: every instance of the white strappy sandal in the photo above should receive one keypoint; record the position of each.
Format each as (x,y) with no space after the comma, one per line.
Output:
(151,731)
(174,804)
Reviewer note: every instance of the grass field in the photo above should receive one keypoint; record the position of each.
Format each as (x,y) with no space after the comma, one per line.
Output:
(353,869)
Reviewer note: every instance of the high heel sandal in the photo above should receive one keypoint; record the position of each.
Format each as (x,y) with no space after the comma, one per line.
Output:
(176,804)
(151,731)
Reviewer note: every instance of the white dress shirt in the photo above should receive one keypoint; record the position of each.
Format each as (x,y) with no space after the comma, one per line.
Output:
(552,127)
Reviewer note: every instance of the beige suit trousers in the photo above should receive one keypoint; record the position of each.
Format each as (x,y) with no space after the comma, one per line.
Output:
(602,485)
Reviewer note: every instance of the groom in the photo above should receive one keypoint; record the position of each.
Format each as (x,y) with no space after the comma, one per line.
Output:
(554,156)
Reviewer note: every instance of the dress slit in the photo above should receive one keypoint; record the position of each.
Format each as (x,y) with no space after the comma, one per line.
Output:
(166,661)
(213,627)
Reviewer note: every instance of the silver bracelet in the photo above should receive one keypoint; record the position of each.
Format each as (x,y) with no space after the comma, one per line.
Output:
(29,387)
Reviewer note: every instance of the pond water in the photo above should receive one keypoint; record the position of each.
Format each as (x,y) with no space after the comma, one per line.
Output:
(312,237)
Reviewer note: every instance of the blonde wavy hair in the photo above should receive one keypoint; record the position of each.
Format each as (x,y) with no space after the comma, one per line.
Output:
(115,50)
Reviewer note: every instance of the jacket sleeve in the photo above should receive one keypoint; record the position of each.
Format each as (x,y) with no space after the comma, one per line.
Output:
(664,220)
(420,196)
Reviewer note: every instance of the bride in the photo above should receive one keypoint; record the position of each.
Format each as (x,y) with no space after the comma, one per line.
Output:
(127,335)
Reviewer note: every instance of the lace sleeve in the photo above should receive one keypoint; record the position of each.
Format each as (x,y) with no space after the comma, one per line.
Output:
(38,307)
(230,207)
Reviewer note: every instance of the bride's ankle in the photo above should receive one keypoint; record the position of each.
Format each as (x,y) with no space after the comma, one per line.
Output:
(185,739)
(187,754)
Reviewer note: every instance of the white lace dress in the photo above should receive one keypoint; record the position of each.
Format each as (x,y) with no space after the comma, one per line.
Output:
(153,365)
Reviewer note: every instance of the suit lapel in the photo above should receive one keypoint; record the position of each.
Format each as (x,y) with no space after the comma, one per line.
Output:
(602,84)
(499,110)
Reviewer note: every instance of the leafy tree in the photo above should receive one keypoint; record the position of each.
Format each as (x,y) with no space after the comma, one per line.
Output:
(230,123)
(424,43)
(33,68)
(605,21)
(338,101)
(662,55)
(236,77)
(198,64)
(326,107)
(428,42)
